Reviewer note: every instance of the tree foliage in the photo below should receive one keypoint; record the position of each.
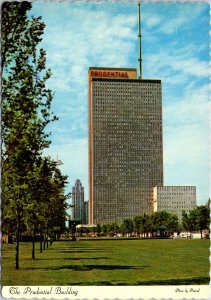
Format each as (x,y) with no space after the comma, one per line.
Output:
(197,219)
(143,224)
(33,187)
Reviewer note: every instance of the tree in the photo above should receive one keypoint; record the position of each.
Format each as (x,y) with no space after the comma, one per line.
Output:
(98,230)
(15,25)
(197,219)
(114,227)
(56,213)
(104,229)
(26,111)
(166,219)
(189,221)
(127,226)
(203,217)
(47,210)
(172,222)
(138,224)
(148,225)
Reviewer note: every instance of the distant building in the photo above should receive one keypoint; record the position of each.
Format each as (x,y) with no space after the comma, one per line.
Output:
(174,199)
(79,209)
(125,144)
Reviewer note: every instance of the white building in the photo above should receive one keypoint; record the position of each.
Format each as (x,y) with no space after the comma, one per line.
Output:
(174,199)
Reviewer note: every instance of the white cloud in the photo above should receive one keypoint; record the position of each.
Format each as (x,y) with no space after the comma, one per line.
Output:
(179,17)
(72,48)
(173,68)
(186,157)
(191,66)
(191,108)
(186,145)
(152,21)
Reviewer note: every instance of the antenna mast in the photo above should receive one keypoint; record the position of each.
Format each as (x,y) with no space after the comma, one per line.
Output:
(139,39)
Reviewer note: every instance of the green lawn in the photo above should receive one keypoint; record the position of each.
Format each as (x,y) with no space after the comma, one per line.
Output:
(123,262)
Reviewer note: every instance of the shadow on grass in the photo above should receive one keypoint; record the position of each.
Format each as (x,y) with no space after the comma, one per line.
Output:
(66,248)
(74,258)
(80,251)
(75,249)
(182,281)
(95,267)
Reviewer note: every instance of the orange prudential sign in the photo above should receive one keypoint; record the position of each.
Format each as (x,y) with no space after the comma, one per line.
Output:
(110,74)
(113,73)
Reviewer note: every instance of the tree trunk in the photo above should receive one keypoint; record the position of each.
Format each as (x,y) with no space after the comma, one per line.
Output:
(17,254)
(17,246)
(33,246)
(44,241)
(51,240)
(41,236)
(47,237)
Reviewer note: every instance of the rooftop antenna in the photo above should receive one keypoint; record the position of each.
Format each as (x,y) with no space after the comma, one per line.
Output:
(139,39)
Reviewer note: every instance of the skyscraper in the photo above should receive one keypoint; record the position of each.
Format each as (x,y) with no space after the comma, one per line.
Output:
(78,201)
(125,144)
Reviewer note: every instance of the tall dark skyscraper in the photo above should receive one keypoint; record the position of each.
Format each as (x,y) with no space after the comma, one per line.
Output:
(125,144)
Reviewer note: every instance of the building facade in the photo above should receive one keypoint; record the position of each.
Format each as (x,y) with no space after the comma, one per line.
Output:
(79,206)
(125,144)
(86,214)
(174,199)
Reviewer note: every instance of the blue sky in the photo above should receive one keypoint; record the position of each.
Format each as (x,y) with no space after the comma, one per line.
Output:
(175,49)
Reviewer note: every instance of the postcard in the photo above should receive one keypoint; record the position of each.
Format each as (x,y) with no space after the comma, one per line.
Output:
(105,150)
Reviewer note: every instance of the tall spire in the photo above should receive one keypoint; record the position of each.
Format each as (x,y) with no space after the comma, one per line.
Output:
(139,39)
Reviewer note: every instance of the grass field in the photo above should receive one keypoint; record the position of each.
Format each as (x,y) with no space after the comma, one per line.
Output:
(123,262)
